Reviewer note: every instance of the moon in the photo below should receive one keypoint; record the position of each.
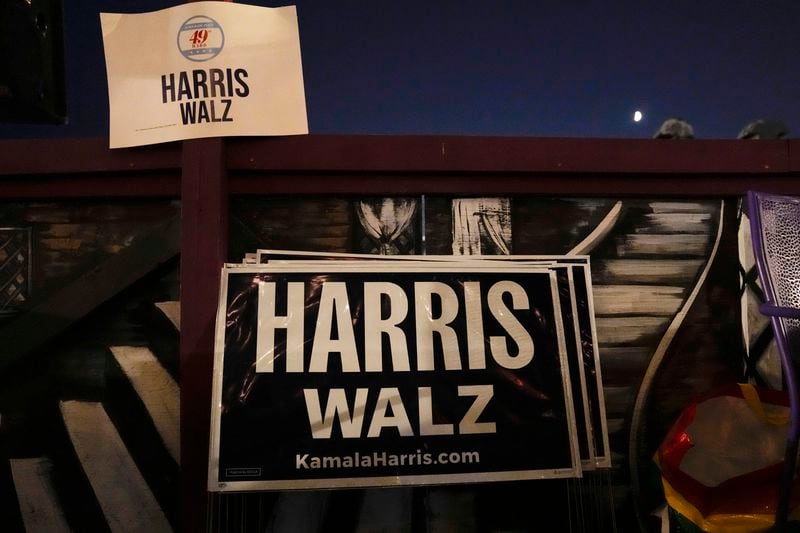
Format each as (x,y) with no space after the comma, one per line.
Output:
(637,116)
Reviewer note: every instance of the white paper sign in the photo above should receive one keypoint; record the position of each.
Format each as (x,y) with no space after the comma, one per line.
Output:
(203,69)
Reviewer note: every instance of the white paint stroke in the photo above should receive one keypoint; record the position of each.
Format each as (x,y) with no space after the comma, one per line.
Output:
(477,217)
(172,310)
(680,207)
(119,487)
(38,503)
(649,270)
(613,331)
(599,232)
(159,393)
(658,357)
(661,244)
(651,300)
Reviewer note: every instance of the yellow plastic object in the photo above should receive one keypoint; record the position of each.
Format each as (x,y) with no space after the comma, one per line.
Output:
(721,461)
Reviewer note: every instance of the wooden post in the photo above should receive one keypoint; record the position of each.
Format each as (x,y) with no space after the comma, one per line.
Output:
(204,248)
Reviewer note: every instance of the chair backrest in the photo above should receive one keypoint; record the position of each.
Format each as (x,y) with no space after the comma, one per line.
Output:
(775,229)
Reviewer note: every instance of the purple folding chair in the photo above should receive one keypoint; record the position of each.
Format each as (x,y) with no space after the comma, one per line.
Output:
(775,228)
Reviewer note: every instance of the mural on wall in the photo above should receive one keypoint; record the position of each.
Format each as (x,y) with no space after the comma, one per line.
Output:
(666,280)
(89,397)
(386,226)
(482,226)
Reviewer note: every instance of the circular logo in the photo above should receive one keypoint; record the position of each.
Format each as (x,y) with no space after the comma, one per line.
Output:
(200,38)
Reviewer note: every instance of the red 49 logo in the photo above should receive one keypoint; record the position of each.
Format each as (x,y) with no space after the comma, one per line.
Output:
(199,37)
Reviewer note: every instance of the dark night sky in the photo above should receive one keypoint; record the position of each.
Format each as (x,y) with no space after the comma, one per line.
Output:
(518,67)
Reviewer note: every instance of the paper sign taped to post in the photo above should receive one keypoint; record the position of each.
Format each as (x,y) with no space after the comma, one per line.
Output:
(203,69)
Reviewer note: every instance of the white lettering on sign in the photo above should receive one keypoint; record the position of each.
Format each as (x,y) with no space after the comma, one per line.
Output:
(269,321)
(389,414)
(334,332)
(375,326)
(386,314)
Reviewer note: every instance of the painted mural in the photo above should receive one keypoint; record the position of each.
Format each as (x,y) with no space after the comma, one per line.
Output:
(89,401)
(668,289)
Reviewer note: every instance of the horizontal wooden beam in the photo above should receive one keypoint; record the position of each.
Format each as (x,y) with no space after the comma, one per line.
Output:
(619,185)
(341,164)
(506,154)
(84,185)
(76,155)
(122,492)
(794,155)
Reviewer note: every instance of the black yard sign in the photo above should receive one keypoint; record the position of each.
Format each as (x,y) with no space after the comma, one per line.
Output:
(373,375)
